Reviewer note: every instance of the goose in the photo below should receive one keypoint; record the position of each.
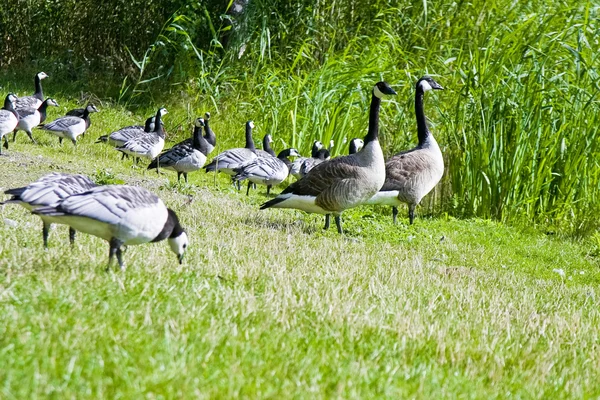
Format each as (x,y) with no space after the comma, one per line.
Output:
(267,171)
(69,127)
(119,137)
(34,100)
(148,144)
(343,182)
(78,112)
(209,135)
(31,117)
(266,151)
(185,157)
(121,215)
(49,190)
(355,145)
(411,174)
(229,160)
(9,118)
(310,163)
(297,164)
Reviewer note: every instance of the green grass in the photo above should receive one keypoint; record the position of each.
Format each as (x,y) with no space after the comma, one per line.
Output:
(266,305)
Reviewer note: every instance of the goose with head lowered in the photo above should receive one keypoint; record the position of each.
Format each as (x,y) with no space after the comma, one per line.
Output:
(297,164)
(69,127)
(121,215)
(232,159)
(185,156)
(9,118)
(269,171)
(31,117)
(343,182)
(49,190)
(147,144)
(37,98)
(411,174)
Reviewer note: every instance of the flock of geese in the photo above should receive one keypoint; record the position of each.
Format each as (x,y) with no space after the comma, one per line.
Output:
(127,215)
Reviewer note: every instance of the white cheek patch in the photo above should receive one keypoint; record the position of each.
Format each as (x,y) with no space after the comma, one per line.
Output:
(378,93)
(425,86)
(252,125)
(177,243)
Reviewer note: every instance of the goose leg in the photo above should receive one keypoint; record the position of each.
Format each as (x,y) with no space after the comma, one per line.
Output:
(59,140)
(411,213)
(394,214)
(120,258)
(178,177)
(30,137)
(327,220)
(185,177)
(123,156)
(338,222)
(15,135)
(115,248)
(268,189)
(6,142)
(45,230)
(248,190)
(74,142)
(72,236)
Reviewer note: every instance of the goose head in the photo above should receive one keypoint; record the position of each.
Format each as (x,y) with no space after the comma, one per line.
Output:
(51,102)
(383,88)
(199,122)
(427,83)
(356,145)
(163,111)
(250,124)
(207,115)
(9,100)
(291,152)
(179,244)
(42,75)
(91,108)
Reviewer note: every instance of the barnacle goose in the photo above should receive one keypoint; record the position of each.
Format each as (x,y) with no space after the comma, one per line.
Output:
(69,127)
(31,117)
(148,144)
(9,118)
(34,100)
(267,170)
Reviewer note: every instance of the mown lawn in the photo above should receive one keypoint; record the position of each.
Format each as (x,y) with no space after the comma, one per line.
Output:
(266,305)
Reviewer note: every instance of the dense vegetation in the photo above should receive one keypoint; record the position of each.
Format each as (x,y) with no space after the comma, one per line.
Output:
(518,122)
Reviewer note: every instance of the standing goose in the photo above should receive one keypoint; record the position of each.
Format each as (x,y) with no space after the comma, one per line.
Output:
(8,118)
(185,156)
(297,164)
(355,145)
(232,159)
(310,163)
(121,215)
(267,171)
(266,151)
(69,127)
(47,191)
(37,98)
(209,135)
(343,182)
(411,174)
(31,117)
(148,144)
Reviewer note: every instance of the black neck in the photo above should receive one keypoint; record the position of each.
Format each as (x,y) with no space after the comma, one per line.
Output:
(422,129)
(42,109)
(249,141)
(198,142)
(314,151)
(353,148)
(8,106)
(39,94)
(267,146)
(147,125)
(283,156)
(171,229)
(209,134)
(86,113)
(158,125)
(373,133)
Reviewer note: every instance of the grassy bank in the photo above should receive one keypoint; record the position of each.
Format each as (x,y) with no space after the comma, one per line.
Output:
(268,305)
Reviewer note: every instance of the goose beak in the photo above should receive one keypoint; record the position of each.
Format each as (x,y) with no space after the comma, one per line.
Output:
(391,91)
(180,259)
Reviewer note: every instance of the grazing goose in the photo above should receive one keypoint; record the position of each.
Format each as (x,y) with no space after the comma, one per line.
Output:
(297,164)
(69,127)
(343,182)
(232,159)
(121,215)
(355,145)
(8,118)
(310,163)
(148,144)
(411,174)
(209,135)
(34,100)
(268,170)
(31,117)
(185,156)
(47,191)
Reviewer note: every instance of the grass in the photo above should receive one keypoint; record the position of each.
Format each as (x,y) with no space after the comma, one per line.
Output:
(266,305)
